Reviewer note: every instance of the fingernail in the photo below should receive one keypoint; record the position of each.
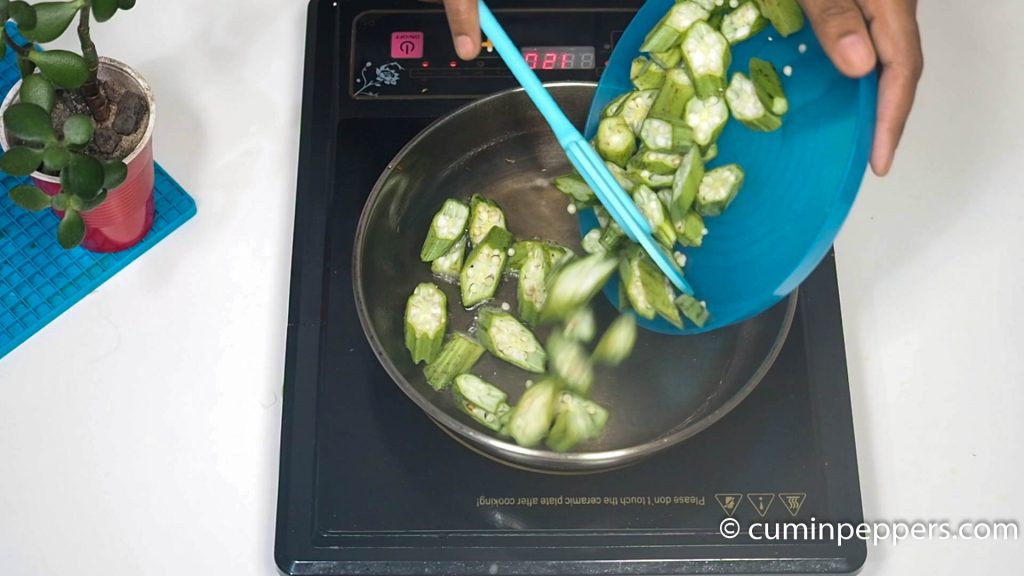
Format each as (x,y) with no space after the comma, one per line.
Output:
(464,47)
(859,55)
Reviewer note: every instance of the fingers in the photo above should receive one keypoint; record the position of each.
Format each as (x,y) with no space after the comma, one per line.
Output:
(843,33)
(898,41)
(465,26)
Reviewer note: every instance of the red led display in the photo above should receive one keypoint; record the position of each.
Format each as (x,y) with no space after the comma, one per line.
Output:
(559,57)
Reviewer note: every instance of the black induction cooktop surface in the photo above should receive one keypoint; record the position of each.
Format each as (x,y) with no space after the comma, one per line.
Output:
(370,485)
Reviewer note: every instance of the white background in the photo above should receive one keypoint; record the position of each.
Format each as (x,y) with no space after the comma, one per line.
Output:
(139,431)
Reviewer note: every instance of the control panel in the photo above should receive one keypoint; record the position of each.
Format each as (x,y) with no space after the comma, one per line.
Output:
(404,54)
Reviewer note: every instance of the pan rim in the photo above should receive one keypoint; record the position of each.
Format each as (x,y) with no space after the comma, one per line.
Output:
(538,460)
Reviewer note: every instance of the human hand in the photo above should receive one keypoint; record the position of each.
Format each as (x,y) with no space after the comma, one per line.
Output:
(856,34)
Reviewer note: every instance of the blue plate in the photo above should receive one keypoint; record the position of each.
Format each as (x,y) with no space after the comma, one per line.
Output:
(801,180)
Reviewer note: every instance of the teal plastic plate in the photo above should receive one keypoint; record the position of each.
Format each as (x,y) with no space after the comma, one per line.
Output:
(801,181)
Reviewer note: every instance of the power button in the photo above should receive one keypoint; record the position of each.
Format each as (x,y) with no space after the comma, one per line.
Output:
(407,44)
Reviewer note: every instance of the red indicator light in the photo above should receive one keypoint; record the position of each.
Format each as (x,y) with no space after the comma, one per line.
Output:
(453,64)
(425,64)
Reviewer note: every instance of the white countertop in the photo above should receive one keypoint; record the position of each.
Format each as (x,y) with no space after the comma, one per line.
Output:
(139,431)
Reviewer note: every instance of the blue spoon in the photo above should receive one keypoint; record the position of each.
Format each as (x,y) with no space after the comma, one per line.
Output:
(590,166)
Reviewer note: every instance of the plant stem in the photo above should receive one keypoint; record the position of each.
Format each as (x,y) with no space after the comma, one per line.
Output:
(21,50)
(97,101)
(25,66)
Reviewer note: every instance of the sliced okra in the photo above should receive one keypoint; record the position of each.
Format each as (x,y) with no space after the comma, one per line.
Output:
(616,141)
(718,189)
(746,106)
(426,320)
(668,59)
(482,271)
(675,93)
(707,118)
(648,289)
(657,162)
(645,177)
(481,400)
(768,86)
(576,284)
(646,75)
(458,356)
(573,186)
(696,312)
(690,229)
(576,420)
(591,242)
(710,152)
(636,107)
(708,57)
(668,32)
(533,276)
(655,214)
(617,342)
(631,271)
(484,214)
(621,176)
(663,135)
(612,237)
(685,186)
(509,340)
(742,23)
(581,325)
(785,15)
(570,362)
(530,420)
(614,107)
(447,226)
(449,266)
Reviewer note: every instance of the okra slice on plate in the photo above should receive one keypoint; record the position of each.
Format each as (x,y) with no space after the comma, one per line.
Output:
(710,152)
(646,75)
(576,420)
(668,59)
(576,284)
(591,242)
(696,312)
(673,96)
(614,107)
(707,118)
(650,206)
(617,342)
(636,107)
(633,283)
(426,319)
(533,277)
(616,142)
(457,357)
(649,291)
(747,107)
(657,162)
(670,29)
(708,57)
(530,420)
(570,362)
(768,86)
(718,189)
(484,214)
(621,176)
(690,231)
(685,185)
(673,136)
(481,400)
(448,225)
(449,266)
(645,177)
(509,340)
(482,272)
(785,15)
(743,23)
(573,186)
(612,237)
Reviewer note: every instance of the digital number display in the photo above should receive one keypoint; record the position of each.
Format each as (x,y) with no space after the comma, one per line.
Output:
(559,57)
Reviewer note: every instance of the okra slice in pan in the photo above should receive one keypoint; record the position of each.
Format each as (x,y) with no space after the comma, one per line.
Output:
(458,356)
(484,214)
(447,226)
(533,277)
(570,362)
(573,186)
(617,342)
(576,420)
(576,284)
(482,272)
(481,400)
(509,340)
(530,420)
(426,320)
(449,266)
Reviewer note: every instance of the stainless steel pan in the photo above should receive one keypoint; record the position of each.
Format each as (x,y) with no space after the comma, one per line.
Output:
(670,389)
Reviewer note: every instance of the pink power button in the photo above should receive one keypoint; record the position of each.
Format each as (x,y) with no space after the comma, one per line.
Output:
(407,44)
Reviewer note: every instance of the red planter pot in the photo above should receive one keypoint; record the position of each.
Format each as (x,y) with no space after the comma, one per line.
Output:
(126,216)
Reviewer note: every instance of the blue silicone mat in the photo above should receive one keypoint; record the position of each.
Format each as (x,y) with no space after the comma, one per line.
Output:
(39,280)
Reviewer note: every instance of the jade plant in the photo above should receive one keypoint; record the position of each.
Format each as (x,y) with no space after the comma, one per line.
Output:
(36,142)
